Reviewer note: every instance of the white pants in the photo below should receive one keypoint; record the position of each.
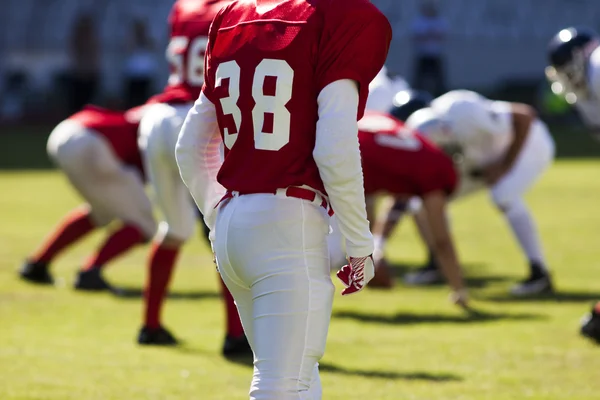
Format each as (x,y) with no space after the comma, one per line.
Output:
(272,254)
(112,189)
(159,130)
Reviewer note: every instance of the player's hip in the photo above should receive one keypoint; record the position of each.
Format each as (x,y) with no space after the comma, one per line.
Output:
(539,142)
(262,235)
(72,145)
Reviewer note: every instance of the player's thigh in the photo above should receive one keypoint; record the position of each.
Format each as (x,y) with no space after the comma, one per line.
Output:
(125,198)
(158,135)
(91,167)
(535,157)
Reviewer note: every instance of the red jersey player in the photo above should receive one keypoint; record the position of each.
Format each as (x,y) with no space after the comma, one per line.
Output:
(403,164)
(97,150)
(285,81)
(189,24)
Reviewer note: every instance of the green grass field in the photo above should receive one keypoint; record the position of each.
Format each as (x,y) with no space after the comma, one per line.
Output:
(407,343)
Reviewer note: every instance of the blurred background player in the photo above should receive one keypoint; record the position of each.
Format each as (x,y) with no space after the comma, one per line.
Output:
(502,146)
(189,23)
(382,90)
(97,151)
(574,57)
(285,81)
(403,164)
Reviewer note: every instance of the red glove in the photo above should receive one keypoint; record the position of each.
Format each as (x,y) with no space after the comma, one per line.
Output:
(356,274)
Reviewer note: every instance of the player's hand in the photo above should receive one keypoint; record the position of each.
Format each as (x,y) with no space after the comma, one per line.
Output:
(460,298)
(356,274)
(493,173)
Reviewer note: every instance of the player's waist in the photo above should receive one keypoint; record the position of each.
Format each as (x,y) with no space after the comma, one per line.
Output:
(298,192)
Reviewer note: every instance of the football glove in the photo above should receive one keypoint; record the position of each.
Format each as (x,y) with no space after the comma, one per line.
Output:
(356,274)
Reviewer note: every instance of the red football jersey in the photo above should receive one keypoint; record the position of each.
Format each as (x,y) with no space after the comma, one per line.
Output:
(401,162)
(118,127)
(266,63)
(189,24)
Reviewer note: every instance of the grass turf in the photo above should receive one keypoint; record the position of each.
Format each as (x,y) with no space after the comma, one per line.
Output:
(405,344)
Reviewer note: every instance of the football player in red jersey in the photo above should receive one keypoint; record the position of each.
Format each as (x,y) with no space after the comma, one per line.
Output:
(401,163)
(97,150)
(285,81)
(189,24)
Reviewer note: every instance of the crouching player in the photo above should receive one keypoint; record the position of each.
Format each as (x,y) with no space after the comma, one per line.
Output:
(97,150)
(403,164)
(504,147)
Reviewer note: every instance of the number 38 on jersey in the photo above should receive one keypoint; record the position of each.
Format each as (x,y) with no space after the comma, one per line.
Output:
(270,117)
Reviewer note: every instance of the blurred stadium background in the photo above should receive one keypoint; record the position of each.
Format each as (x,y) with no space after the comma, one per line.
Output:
(497,47)
(492,45)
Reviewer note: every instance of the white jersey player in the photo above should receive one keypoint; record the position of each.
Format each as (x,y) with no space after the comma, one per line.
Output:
(504,147)
(574,56)
(382,90)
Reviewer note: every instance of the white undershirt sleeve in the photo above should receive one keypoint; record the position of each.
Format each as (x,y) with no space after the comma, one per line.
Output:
(198,154)
(337,156)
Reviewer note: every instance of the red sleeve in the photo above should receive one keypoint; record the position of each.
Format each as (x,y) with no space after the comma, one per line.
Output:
(208,86)
(354,45)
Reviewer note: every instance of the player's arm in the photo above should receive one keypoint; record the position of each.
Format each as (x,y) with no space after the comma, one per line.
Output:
(434,205)
(337,156)
(198,154)
(392,211)
(522,118)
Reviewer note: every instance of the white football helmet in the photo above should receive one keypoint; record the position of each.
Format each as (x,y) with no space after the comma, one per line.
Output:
(436,129)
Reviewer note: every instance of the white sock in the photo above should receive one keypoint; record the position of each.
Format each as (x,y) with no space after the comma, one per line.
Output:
(524,229)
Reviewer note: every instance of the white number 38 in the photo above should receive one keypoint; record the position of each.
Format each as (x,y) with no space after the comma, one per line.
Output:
(271,105)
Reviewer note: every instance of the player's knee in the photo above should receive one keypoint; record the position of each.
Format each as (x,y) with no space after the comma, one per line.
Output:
(503,201)
(100,219)
(269,386)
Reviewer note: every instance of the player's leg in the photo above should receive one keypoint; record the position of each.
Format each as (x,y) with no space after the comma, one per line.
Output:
(114,191)
(64,149)
(278,248)
(158,135)
(507,195)
(235,343)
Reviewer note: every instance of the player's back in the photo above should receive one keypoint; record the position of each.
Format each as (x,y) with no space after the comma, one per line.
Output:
(189,24)
(268,62)
(399,161)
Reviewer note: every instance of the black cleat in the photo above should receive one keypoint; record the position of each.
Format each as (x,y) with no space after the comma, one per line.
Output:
(156,337)
(538,283)
(427,275)
(590,324)
(91,280)
(36,273)
(236,346)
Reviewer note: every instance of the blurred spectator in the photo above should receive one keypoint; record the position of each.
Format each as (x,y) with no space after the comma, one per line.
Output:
(140,65)
(12,102)
(84,76)
(429,31)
